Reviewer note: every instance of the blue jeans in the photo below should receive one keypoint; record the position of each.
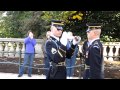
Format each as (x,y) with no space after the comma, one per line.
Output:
(47,65)
(70,63)
(27,58)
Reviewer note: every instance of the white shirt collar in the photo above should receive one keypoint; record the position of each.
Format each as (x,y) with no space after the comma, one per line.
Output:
(91,41)
(70,40)
(54,37)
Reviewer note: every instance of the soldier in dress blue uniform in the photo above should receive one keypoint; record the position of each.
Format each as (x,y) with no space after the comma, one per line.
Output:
(94,68)
(56,50)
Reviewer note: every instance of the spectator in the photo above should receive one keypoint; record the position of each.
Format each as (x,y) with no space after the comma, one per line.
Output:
(30,43)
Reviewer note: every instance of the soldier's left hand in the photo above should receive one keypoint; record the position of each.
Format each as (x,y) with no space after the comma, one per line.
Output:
(76,40)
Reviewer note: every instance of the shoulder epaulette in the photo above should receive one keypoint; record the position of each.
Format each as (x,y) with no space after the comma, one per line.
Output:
(50,39)
(95,43)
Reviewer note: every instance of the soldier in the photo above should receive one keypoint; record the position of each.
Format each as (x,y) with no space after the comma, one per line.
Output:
(94,53)
(56,50)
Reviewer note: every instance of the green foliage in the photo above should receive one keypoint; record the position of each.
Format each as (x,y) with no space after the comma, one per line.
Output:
(110,23)
(17,23)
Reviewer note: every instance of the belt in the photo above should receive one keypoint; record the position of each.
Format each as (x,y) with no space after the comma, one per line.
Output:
(57,64)
(87,66)
(61,64)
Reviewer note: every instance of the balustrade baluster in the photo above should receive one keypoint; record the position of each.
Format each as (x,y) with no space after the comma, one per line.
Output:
(110,54)
(11,50)
(1,49)
(23,50)
(17,49)
(105,52)
(6,49)
(116,53)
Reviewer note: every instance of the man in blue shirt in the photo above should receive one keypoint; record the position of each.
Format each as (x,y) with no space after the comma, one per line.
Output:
(70,61)
(30,43)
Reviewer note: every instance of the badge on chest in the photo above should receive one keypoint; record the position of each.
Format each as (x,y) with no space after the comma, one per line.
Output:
(53,50)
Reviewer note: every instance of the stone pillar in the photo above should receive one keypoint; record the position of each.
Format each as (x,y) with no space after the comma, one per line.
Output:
(1,49)
(6,49)
(23,50)
(110,52)
(11,50)
(17,49)
(104,52)
(117,52)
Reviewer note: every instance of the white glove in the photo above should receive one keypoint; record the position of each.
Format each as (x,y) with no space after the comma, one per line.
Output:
(63,38)
(70,37)
(76,40)
(31,35)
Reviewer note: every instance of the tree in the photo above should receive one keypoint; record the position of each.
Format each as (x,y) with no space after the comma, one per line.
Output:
(110,23)
(17,23)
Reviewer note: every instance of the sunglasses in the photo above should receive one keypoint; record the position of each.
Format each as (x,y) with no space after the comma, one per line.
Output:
(88,30)
(59,28)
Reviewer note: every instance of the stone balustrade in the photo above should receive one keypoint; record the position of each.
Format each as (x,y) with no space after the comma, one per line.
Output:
(10,47)
(111,50)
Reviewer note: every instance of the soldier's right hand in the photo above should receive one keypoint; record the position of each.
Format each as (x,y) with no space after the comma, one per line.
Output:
(63,38)
(76,40)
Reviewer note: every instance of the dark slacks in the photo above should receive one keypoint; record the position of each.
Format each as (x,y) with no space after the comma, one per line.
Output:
(59,72)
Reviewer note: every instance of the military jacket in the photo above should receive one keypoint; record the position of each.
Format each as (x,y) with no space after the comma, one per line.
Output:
(56,51)
(94,59)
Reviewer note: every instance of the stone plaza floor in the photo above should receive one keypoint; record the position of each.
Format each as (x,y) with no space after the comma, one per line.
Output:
(25,76)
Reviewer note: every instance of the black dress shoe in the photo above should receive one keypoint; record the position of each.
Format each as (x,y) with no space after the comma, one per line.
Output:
(29,76)
(19,75)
